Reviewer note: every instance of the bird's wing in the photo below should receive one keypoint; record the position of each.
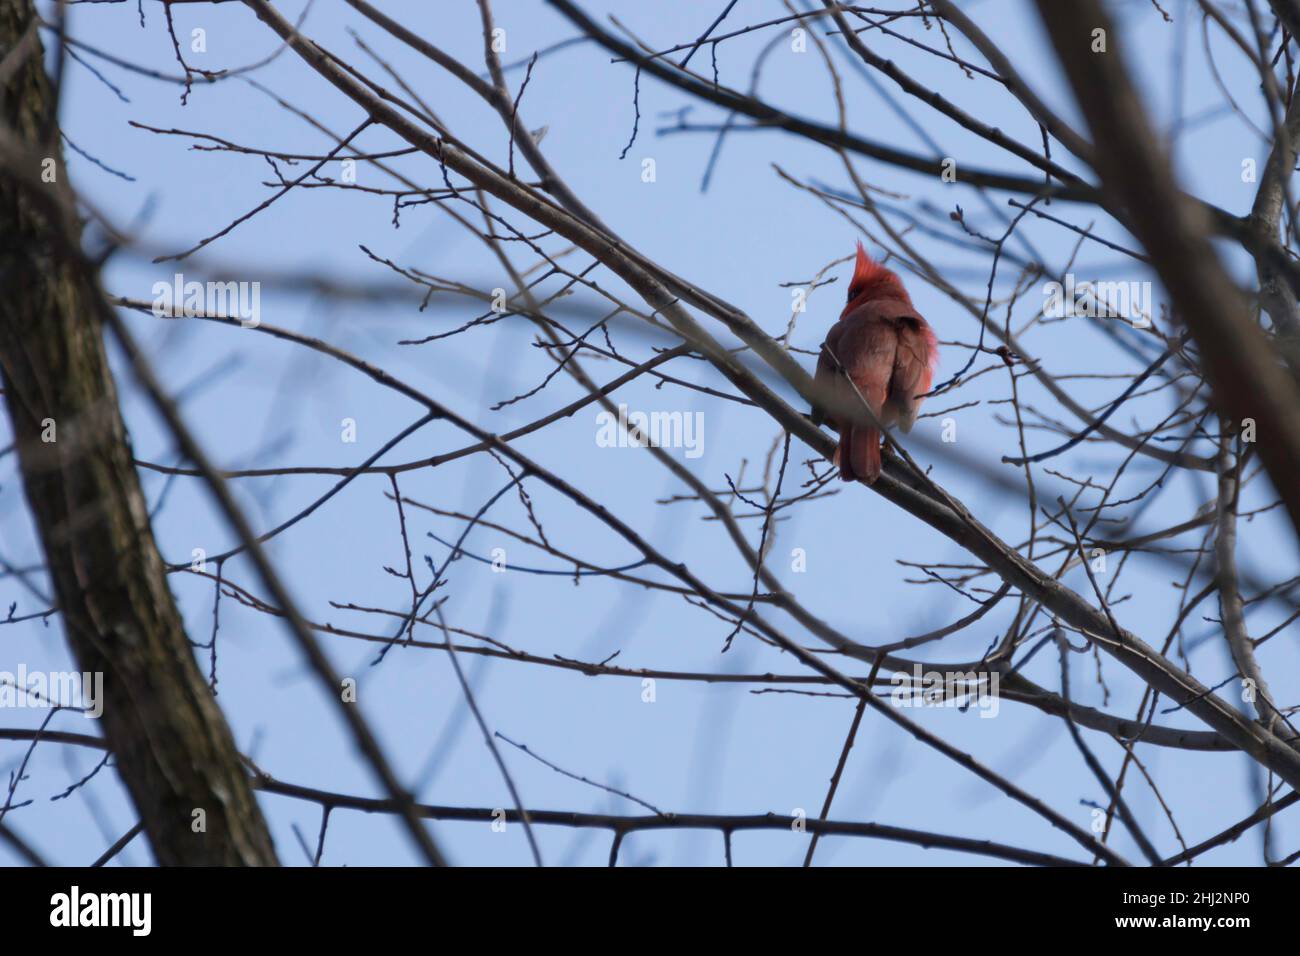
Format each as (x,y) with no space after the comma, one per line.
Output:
(828,377)
(913,369)
(867,350)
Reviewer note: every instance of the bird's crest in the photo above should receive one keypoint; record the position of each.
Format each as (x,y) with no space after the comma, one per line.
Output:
(869,276)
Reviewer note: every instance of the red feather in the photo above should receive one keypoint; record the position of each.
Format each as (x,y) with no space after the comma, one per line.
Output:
(883,346)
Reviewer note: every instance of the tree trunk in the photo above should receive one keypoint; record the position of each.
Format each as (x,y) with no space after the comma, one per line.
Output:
(171,745)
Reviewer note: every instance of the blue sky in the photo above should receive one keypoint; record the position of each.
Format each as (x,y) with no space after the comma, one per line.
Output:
(256,402)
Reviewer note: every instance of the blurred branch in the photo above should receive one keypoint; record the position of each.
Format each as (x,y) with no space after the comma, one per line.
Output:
(1239,362)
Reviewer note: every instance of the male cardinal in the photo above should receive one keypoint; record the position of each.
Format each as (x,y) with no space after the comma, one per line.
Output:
(888,351)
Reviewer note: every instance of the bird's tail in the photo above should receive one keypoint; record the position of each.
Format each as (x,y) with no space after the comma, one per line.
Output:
(858,454)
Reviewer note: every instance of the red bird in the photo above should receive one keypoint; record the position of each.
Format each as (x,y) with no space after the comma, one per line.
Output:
(885,349)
